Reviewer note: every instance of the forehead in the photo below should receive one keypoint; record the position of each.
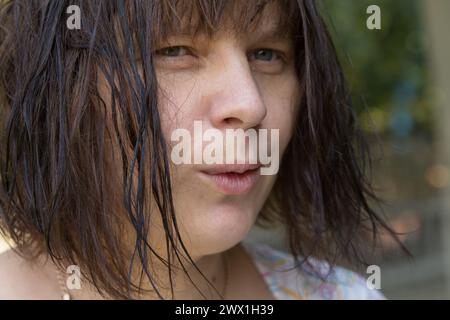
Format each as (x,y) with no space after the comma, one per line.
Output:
(181,17)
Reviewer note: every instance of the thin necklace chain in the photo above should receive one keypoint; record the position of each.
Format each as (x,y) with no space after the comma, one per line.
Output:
(65,295)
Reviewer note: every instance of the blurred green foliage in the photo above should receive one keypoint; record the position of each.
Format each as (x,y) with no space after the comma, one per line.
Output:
(387,69)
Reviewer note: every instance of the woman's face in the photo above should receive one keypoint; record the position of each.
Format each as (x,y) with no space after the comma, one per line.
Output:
(230,81)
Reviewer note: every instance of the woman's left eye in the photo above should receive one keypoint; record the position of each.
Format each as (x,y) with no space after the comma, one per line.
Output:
(265,55)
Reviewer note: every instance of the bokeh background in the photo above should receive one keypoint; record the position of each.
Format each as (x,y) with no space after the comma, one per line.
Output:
(400,79)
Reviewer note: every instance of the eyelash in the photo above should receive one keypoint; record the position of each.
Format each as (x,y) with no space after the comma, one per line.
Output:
(160,52)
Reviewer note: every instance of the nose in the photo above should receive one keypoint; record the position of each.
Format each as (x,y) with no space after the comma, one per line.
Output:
(234,98)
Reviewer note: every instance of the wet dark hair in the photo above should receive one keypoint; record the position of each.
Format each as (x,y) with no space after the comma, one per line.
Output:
(64,192)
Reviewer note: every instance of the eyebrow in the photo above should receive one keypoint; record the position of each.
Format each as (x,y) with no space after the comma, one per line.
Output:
(272,33)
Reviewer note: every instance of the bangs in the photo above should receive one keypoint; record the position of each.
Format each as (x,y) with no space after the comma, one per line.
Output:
(209,16)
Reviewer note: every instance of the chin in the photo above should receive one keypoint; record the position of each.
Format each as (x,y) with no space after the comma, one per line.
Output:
(219,228)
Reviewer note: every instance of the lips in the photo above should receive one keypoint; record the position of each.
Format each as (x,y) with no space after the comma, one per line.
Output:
(233,179)
(230,168)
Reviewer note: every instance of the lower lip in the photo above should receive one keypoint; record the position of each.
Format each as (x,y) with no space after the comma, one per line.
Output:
(234,183)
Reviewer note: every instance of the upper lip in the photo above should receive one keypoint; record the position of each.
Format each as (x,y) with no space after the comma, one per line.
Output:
(230,168)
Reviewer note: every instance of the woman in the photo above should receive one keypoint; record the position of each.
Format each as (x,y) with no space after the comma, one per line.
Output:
(88,175)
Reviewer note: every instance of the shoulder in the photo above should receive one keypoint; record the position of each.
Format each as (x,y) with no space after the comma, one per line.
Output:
(20,278)
(12,270)
(307,278)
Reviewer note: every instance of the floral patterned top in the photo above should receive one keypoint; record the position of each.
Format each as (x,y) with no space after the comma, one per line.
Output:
(313,280)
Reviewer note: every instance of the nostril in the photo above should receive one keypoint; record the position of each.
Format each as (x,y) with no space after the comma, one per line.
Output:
(232,121)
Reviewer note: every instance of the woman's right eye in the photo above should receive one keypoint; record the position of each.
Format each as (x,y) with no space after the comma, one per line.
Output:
(175,51)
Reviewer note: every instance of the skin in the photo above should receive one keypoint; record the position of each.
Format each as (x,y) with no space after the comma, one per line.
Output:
(244,80)
(260,93)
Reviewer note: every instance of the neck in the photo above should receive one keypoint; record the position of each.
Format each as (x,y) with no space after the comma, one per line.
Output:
(213,267)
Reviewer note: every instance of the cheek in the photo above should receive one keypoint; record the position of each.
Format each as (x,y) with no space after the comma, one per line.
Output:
(175,101)
(282,99)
